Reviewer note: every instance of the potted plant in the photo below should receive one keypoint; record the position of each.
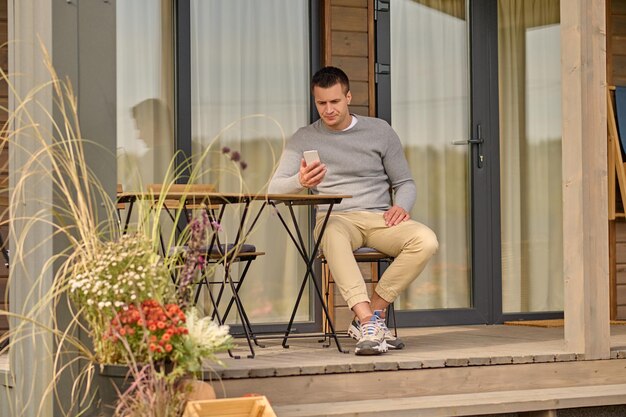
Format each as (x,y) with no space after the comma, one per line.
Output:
(139,319)
(131,302)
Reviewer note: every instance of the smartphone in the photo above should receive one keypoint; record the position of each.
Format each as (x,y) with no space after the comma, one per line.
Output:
(310,156)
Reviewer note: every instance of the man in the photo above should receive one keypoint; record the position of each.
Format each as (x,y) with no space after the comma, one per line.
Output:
(362,157)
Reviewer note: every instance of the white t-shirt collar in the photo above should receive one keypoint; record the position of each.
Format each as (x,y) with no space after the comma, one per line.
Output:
(352,123)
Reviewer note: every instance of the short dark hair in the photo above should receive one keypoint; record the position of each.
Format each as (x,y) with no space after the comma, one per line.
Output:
(329,76)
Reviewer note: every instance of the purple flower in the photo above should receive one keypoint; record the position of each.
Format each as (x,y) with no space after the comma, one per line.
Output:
(243,164)
(235,156)
(225,149)
(194,257)
(216,226)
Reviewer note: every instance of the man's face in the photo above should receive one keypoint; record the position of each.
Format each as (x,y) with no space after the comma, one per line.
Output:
(332,106)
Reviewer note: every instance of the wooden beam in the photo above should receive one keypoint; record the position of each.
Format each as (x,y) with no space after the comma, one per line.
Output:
(327,43)
(585,215)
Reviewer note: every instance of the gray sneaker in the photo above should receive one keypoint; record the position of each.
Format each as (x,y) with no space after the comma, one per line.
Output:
(372,338)
(393,342)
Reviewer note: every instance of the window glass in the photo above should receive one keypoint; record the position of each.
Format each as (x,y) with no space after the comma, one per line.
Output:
(250,91)
(529,75)
(430,110)
(145,91)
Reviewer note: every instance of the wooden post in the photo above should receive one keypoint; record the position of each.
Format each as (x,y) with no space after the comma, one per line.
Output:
(585,216)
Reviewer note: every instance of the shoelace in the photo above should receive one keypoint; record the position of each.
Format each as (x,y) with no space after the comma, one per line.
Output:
(368,328)
(381,323)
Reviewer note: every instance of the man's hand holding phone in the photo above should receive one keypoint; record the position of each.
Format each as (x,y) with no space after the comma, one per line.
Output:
(312,171)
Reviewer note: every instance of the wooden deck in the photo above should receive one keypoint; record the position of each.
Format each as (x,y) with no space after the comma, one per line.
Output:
(506,365)
(463,370)
(429,347)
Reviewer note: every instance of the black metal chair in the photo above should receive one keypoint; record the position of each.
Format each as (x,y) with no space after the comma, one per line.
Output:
(216,252)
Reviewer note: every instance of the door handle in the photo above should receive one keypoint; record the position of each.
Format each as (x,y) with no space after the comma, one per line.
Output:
(468,142)
(478,142)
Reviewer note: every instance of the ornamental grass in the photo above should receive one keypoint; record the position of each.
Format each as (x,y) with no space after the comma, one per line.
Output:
(123,303)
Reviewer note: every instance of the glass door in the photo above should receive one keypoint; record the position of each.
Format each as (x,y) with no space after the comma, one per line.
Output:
(442,89)
(430,111)
(473,89)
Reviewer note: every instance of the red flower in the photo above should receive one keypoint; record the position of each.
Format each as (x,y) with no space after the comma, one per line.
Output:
(160,325)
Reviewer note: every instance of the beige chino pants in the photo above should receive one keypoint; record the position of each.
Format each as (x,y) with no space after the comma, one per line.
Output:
(411,243)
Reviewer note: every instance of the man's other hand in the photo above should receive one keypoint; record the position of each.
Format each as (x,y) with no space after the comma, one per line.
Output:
(395,215)
(311,175)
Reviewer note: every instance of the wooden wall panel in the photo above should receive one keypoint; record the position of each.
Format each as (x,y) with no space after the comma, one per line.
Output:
(619,45)
(355,67)
(616,42)
(360,93)
(349,19)
(616,75)
(362,110)
(620,269)
(618,23)
(351,3)
(348,43)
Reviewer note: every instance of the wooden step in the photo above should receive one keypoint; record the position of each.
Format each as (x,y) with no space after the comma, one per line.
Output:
(466,404)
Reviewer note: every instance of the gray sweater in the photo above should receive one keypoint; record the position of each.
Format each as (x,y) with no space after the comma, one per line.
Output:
(363,161)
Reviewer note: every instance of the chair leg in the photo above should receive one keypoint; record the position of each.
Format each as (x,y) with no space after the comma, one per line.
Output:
(326,284)
(383,264)
(244,316)
(391,314)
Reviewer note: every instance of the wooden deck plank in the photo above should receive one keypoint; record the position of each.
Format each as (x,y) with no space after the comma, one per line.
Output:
(465,404)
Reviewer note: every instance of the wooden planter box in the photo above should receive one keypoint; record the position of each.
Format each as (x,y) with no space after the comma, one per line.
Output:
(230,407)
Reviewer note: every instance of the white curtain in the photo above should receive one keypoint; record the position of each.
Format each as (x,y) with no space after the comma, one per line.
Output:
(429,101)
(144,91)
(530,155)
(250,77)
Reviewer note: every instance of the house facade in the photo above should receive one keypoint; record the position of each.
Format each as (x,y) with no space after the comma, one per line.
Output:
(500,106)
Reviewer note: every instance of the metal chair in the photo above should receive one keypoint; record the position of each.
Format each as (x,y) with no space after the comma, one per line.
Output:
(380,262)
(215,252)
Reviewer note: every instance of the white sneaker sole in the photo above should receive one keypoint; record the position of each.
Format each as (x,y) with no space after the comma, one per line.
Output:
(371,350)
(355,333)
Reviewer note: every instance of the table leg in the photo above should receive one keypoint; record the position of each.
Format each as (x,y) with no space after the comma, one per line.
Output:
(309,258)
(130,211)
(228,257)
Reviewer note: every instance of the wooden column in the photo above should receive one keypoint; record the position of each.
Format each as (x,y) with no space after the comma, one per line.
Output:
(30,357)
(585,251)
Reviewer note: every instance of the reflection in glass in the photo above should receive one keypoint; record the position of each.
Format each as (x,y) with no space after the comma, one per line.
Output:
(250,77)
(530,155)
(429,102)
(145,91)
